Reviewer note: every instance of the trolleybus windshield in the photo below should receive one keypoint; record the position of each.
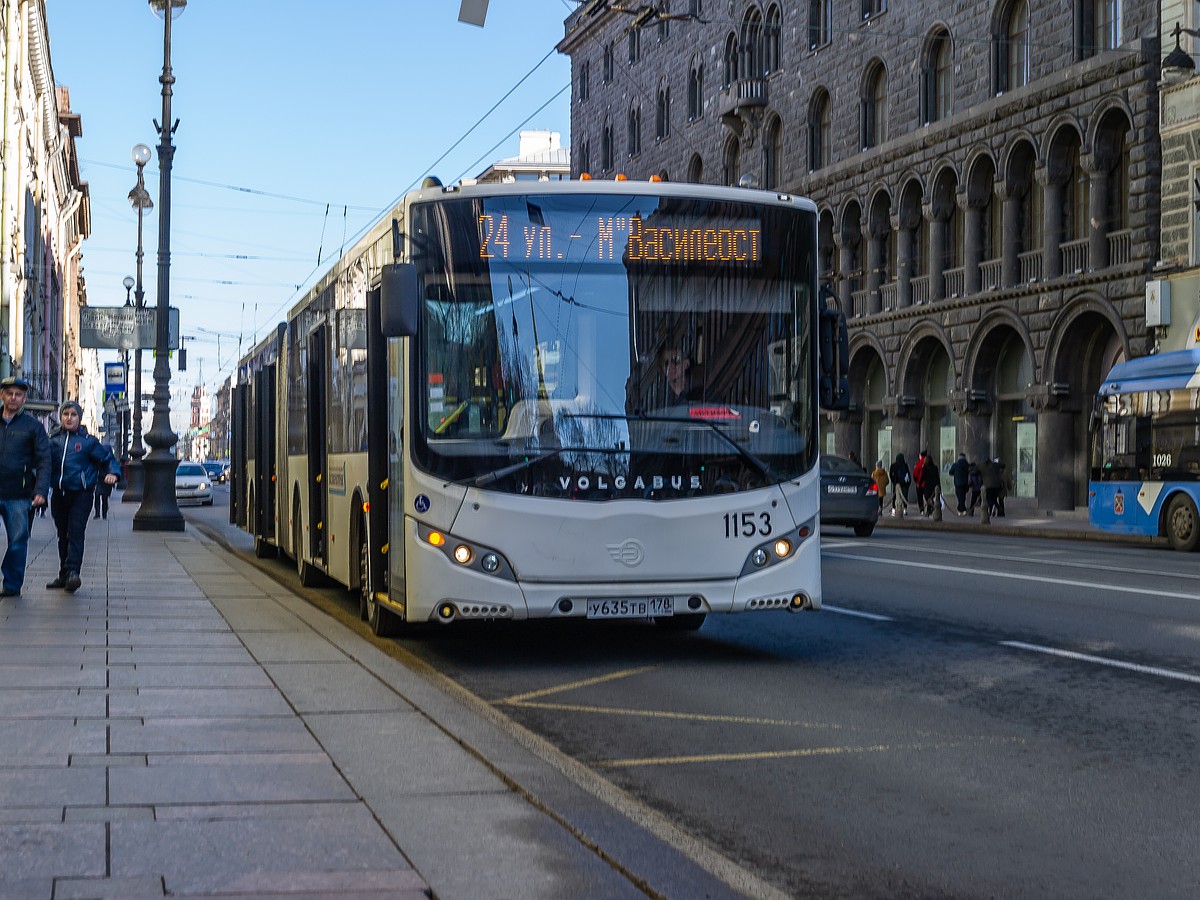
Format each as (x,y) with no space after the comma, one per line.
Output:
(597,346)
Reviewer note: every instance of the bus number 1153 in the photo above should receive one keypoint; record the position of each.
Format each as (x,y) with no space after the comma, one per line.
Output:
(747,524)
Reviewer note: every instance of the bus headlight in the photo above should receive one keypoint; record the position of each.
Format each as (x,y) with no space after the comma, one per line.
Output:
(467,554)
(759,557)
(783,548)
(462,554)
(490,562)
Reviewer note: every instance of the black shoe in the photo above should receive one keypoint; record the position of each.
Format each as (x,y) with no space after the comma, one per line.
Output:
(57,583)
(96,516)
(9,592)
(105,516)
(72,583)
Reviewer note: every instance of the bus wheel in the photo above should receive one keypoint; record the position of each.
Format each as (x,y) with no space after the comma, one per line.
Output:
(690,622)
(1182,525)
(383,621)
(364,577)
(304,571)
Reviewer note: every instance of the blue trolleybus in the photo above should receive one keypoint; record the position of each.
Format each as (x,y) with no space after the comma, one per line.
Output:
(1146,449)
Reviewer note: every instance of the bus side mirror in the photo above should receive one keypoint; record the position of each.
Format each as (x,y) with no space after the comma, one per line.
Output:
(399,306)
(834,351)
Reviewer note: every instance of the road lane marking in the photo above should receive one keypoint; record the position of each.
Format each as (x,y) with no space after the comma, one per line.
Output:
(572,685)
(787,754)
(958,570)
(874,617)
(666,714)
(992,557)
(1104,661)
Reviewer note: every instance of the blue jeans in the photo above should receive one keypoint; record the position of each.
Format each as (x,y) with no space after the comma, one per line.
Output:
(15,514)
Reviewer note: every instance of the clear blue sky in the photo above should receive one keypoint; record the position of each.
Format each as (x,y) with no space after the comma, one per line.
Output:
(285,107)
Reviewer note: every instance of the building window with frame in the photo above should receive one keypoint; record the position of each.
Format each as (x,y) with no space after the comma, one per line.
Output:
(819,132)
(752,64)
(772,153)
(874,107)
(608,63)
(664,21)
(730,73)
(662,114)
(585,157)
(873,8)
(585,89)
(635,131)
(937,79)
(696,91)
(820,23)
(1106,24)
(772,38)
(1013,49)
(606,148)
(635,45)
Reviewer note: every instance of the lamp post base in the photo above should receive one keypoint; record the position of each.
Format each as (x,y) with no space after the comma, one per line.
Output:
(159,510)
(133,482)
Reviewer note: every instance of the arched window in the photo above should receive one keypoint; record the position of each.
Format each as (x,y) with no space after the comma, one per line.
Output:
(606,148)
(635,45)
(635,130)
(662,113)
(1013,62)
(874,107)
(585,69)
(1075,199)
(937,78)
(695,91)
(820,147)
(695,170)
(772,38)
(585,157)
(730,74)
(752,65)
(772,153)
(820,23)
(664,20)
(733,152)
(608,63)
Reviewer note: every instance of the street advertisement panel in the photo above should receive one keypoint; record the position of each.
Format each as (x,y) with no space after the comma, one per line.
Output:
(124,328)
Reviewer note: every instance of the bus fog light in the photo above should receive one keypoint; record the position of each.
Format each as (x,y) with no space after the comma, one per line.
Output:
(490,562)
(462,554)
(759,557)
(783,549)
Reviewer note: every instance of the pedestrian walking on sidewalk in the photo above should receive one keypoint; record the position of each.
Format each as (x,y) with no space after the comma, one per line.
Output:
(901,479)
(24,478)
(975,483)
(103,492)
(928,481)
(78,461)
(960,471)
(881,482)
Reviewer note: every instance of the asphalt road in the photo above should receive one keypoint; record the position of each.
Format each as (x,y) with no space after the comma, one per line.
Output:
(969,716)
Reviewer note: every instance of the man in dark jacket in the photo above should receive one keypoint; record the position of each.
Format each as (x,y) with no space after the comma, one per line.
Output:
(77,459)
(959,471)
(24,478)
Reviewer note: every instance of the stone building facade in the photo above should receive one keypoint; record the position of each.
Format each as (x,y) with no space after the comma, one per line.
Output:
(44,216)
(988,177)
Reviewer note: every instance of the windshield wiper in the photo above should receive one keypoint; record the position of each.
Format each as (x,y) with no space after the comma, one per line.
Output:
(496,474)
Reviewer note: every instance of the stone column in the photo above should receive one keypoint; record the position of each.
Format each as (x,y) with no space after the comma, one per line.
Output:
(937,216)
(902,228)
(1052,191)
(1010,268)
(1097,174)
(1055,468)
(973,409)
(874,267)
(972,241)
(847,433)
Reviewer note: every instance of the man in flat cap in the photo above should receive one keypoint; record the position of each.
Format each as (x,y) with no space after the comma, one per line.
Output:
(24,478)
(79,461)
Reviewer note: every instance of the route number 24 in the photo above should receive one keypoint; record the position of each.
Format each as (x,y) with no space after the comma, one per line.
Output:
(747,524)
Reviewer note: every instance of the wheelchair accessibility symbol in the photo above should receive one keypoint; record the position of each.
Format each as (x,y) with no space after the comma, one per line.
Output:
(421,503)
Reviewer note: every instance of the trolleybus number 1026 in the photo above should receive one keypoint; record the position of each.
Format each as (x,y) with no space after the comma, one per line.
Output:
(747,524)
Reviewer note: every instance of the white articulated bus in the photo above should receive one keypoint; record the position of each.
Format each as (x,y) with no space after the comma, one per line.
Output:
(569,399)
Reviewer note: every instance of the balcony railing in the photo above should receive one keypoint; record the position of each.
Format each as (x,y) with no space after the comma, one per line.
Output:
(1120,247)
(920,288)
(1075,256)
(887,294)
(956,282)
(742,94)
(858,300)
(989,274)
(1031,266)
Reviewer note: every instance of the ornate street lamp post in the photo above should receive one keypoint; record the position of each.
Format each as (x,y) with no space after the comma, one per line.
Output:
(159,510)
(139,198)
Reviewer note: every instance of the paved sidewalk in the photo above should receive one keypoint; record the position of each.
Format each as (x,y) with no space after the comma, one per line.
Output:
(185,726)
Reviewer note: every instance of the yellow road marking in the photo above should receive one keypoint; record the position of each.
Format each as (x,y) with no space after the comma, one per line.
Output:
(664,714)
(572,685)
(777,754)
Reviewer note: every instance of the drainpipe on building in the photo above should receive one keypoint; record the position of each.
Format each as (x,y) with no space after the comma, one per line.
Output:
(5,273)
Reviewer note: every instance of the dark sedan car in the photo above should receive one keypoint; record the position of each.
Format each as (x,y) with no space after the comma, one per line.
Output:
(848,495)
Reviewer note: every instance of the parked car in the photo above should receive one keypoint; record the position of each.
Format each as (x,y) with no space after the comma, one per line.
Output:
(849,495)
(192,484)
(216,471)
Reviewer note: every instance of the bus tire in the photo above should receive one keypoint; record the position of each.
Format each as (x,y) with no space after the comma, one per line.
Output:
(383,622)
(687,622)
(864,529)
(1182,525)
(304,571)
(364,575)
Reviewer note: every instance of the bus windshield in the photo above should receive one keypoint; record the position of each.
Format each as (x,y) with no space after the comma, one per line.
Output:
(601,346)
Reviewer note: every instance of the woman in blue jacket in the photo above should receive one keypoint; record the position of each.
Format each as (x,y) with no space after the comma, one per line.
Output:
(76,462)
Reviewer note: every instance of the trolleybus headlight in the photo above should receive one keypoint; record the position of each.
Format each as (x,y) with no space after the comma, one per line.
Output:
(759,557)
(783,548)
(490,562)
(462,554)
